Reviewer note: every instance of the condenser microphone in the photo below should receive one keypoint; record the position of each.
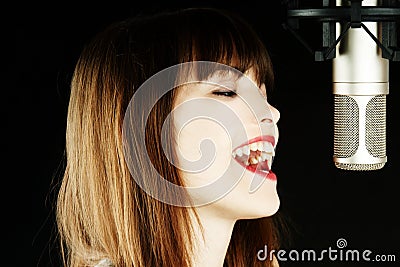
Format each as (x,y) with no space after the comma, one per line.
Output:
(360,85)
(360,37)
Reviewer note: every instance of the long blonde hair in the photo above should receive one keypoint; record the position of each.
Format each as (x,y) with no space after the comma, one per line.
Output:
(101,211)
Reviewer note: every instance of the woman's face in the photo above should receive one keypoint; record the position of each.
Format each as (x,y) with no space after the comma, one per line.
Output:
(226,136)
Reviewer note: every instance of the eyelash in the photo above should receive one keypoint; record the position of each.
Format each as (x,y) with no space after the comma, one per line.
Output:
(225,93)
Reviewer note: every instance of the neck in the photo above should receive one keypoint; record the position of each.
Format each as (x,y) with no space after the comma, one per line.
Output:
(211,238)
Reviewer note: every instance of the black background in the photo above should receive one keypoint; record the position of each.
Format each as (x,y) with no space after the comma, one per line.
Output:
(321,202)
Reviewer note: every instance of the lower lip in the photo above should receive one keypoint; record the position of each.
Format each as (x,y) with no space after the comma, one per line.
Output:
(268,175)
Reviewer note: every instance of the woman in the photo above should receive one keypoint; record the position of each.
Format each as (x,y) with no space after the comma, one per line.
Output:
(169,143)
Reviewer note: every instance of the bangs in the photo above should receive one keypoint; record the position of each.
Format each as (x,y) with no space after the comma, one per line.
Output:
(233,43)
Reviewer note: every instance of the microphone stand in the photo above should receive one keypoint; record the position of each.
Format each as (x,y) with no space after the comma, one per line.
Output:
(351,16)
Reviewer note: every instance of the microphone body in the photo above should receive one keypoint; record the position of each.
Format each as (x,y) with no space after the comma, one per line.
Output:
(360,85)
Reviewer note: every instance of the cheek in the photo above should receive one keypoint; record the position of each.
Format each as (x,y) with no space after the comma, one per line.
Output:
(204,150)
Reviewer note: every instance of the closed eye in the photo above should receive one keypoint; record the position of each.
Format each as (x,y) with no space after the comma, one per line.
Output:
(225,93)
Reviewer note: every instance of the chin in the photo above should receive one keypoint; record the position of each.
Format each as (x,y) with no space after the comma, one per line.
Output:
(258,207)
(269,208)
(272,207)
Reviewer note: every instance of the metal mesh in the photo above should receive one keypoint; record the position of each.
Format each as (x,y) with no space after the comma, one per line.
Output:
(375,126)
(346,130)
(345,141)
(359,167)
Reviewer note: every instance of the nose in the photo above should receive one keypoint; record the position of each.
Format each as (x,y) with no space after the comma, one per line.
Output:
(272,111)
(272,116)
(276,115)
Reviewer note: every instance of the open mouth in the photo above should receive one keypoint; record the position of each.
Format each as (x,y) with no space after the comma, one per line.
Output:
(256,155)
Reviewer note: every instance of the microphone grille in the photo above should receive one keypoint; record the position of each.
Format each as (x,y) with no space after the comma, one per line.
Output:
(346,130)
(345,140)
(375,126)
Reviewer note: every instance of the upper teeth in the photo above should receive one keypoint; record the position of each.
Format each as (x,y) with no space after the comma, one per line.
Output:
(266,152)
(260,146)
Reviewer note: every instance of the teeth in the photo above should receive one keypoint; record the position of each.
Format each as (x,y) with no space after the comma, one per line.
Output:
(260,146)
(253,160)
(264,155)
(239,152)
(269,162)
(267,147)
(253,146)
(246,150)
(265,152)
